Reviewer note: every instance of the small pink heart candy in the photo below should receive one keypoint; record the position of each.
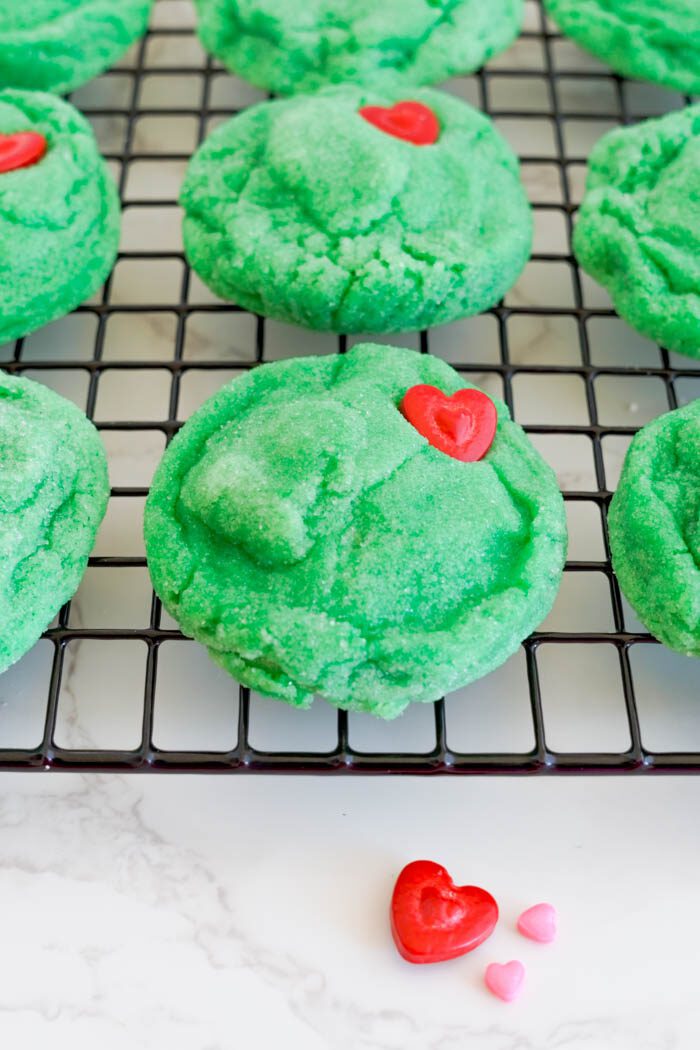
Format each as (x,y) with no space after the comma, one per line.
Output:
(505,979)
(539,923)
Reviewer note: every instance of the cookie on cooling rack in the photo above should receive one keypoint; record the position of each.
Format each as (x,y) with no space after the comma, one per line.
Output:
(367,527)
(654,524)
(638,230)
(286,46)
(53,496)
(638,38)
(59,212)
(351,211)
(56,45)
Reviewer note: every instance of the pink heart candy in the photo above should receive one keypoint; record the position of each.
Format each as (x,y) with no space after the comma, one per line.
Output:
(505,979)
(539,923)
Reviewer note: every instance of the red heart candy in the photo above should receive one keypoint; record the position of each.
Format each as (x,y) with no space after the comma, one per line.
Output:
(20,150)
(410,121)
(432,919)
(462,426)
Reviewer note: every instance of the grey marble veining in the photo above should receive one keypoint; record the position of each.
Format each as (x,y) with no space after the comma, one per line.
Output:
(210,912)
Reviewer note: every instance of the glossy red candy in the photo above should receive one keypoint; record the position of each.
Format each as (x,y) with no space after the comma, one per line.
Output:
(432,919)
(462,426)
(20,150)
(410,121)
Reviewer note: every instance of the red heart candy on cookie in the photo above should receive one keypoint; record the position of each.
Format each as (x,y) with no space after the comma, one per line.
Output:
(410,121)
(432,919)
(20,150)
(462,426)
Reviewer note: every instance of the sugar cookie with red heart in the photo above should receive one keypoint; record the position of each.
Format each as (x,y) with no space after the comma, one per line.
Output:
(382,572)
(383,213)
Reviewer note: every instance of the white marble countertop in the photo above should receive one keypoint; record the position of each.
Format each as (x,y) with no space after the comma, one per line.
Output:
(215,912)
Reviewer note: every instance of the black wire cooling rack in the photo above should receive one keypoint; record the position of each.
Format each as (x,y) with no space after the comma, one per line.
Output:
(565,86)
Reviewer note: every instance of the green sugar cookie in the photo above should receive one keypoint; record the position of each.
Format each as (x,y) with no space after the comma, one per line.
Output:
(638,231)
(312,213)
(654,525)
(59,212)
(638,38)
(53,496)
(56,45)
(288,46)
(310,536)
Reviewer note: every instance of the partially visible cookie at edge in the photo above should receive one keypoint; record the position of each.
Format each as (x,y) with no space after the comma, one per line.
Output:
(288,46)
(643,39)
(654,524)
(60,215)
(53,496)
(638,229)
(57,45)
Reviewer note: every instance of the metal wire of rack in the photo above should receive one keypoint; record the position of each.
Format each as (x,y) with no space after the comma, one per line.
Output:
(621,639)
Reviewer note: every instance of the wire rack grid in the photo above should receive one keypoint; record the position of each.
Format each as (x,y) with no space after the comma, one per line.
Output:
(114,685)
